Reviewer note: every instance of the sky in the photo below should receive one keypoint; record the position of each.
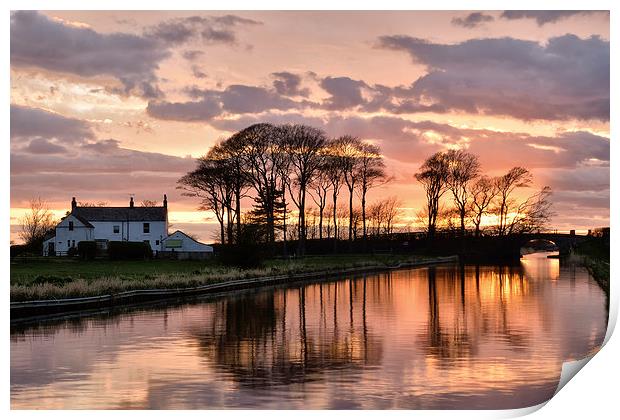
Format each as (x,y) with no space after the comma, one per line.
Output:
(107,104)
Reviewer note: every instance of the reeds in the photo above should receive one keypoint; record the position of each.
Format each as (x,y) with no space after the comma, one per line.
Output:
(105,285)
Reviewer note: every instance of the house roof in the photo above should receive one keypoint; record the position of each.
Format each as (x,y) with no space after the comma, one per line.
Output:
(83,220)
(120,214)
(186,235)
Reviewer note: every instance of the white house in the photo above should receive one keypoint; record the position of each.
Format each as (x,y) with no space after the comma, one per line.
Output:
(185,247)
(103,224)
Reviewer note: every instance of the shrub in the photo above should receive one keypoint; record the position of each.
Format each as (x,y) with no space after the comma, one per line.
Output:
(30,250)
(124,250)
(72,252)
(250,252)
(17,250)
(87,249)
(243,255)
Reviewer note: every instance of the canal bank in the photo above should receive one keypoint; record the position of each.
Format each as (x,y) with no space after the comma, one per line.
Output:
(598,269)
(26,310)
(594,255)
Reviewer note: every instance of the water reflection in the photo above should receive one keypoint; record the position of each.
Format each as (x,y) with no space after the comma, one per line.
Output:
(438,337)
(288,336)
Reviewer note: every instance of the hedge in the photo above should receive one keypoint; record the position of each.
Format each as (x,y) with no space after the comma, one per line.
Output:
(87,249)
(26,249)
(125,250)
(17,250)
(243,255)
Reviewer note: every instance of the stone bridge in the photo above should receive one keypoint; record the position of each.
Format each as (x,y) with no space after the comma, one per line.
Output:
(504,247)
(563,241)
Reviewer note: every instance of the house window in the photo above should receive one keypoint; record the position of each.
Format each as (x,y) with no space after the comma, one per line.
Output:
(157,242)
(73,245)
(68,243)
(116,228)
(146,227)
(70,225)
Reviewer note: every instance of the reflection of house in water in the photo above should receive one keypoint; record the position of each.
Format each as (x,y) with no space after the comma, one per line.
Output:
(291,335)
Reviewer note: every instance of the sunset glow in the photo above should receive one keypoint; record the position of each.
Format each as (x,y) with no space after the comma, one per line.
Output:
(105,105)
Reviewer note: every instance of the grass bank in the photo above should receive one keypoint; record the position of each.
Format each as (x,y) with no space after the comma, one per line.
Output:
(594,255)
(59,278)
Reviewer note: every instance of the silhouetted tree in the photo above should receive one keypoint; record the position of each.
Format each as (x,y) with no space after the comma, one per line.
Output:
(355,221)
(258,216)
(383,215)
(212,183)
(342,220)
(391,213)
(334,168)
(284,183)
(320,187)
(220,157)
(532,214)
(303,147)
(433,176)
(370,172)
(232,150)
(148,203)
(349,150)
(463,168)
(92,204)
(36,223)
(483,192)
(263,159)
(516,177)
(312,216)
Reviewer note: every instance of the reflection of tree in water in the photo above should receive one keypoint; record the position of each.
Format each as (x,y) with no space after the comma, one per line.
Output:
(465,306)
(451,342)
(511,282)
(291,336)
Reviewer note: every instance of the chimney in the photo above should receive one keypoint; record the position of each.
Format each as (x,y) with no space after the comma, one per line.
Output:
(73,204)
(131,202)
(165,201)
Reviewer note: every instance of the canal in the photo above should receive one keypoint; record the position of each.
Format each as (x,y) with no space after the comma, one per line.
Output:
(449,336)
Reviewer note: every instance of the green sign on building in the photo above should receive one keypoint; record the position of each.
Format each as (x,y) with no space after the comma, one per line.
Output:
(174,243)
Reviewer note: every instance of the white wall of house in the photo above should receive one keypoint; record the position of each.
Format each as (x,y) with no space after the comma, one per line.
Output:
(98,224)
(69,232)
(127,231)
(132,231)
(46,246)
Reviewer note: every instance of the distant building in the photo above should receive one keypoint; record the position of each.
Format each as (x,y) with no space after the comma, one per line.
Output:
(183,247)
(104,224)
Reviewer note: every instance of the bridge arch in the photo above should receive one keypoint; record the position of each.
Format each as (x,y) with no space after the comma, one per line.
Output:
(539,245)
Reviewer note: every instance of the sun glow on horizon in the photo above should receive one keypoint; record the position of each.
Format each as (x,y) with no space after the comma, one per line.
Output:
(98,122)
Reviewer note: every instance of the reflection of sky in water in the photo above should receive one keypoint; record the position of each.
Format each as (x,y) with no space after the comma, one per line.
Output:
(540,267)
(482,337)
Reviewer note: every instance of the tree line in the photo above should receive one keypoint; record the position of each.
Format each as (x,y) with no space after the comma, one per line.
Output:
(472,195)
(295,168)
(282,167)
